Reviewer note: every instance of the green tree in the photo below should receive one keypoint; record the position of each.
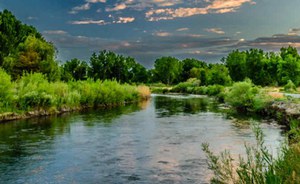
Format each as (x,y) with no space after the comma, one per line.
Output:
(34,55)
(12,33)
(188,65)
(109,65)
(167,70)
(218,74)
(74,69)
(236,64)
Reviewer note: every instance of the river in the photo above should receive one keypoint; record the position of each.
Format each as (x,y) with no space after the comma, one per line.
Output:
(158,141)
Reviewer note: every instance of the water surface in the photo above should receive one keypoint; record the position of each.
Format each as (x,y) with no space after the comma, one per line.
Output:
(154,142)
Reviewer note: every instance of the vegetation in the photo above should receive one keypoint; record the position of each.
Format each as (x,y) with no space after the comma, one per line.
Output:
(32,80)
(34,92)
(259,166)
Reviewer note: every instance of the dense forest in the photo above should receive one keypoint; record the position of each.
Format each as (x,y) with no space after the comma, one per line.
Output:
(24,50)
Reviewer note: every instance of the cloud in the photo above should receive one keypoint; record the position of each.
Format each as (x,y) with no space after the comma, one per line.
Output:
(120,20)
(215,30)
(85,6)
(182,29)
(162,34)
(294,31)
(124,20)
(55,32)
(32,18)
(86,22)
(214,6)
(117,7)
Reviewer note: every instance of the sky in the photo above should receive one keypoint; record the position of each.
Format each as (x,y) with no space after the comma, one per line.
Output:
(148,29)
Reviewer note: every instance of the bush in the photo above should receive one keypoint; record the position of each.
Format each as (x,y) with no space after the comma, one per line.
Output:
(290,87)
(259,166)
(214,90)
(35,92)
(242,95)
(6,90)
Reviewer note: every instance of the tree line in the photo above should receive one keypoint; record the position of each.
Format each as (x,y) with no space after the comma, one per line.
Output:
(24,50)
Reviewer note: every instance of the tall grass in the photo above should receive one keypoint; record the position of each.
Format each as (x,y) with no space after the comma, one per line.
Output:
(258,167)
(35,92)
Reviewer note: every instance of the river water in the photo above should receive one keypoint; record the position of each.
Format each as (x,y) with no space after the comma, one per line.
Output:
(158,141)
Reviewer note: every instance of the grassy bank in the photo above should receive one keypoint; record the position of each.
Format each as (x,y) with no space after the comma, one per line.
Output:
(34,95)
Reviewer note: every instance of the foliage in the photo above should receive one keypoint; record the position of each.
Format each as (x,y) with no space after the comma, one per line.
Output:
(6,90)
(74,69)
(108,65)
(265,68)
(23,49)
(243,96)
(167,70)
(188,64)
(34,92)
(257,168)
(290,87)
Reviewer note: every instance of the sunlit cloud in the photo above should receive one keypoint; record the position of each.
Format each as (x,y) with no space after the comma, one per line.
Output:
(214,6)
(117,7)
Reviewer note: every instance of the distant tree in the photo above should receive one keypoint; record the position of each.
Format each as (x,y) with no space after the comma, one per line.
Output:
(74,69)
(218,74)
(236,64)
(167,70)
(289,69)
(255,64)
(188,65)
(109,65)
(289,51)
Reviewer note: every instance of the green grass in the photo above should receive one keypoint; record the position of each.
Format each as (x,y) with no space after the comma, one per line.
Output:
(35,92)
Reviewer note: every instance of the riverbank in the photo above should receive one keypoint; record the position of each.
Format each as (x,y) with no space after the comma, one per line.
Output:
(245,97)
(33,95)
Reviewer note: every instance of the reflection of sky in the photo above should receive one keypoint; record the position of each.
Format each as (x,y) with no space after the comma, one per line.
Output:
(137,146)
(146,30)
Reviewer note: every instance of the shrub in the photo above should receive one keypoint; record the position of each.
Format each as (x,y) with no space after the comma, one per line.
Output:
(6,90)
(214,90)
(241,95)
(290,87)
(259,166)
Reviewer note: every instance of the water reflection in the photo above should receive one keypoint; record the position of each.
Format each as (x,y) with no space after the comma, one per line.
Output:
(168,106)
(158,141)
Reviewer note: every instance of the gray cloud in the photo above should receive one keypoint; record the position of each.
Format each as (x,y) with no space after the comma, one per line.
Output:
(150,47)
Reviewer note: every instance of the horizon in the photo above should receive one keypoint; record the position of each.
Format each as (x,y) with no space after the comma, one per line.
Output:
(206,30)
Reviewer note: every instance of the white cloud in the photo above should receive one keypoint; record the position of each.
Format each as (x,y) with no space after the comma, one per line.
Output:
(55,32)
(120,20)
(182,29)
(86,22)
(215,30)
(85,6)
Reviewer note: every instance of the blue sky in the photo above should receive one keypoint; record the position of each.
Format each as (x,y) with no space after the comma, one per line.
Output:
(148,29)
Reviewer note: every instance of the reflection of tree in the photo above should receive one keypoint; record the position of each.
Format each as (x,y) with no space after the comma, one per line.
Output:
(107,115)
(30,138)
(167,106)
